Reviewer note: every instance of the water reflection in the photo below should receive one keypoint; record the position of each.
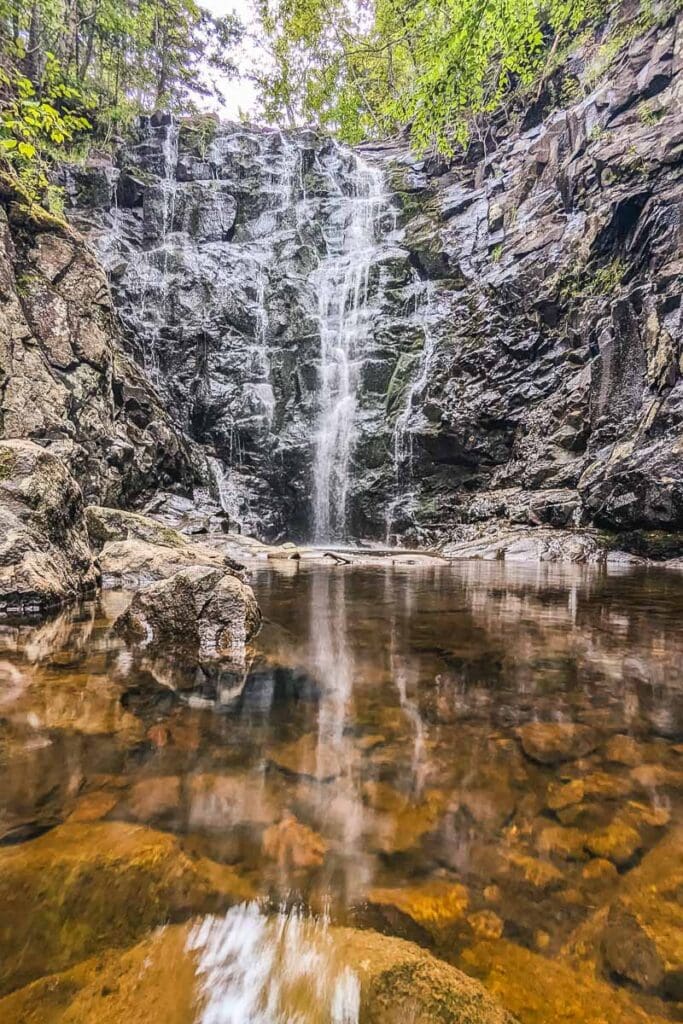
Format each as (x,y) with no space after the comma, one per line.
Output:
(456,754)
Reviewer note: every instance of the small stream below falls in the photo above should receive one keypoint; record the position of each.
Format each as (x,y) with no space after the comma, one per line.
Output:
(482,758)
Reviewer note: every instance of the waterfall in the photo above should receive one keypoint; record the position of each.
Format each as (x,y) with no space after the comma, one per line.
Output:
(352,241)
(403,436)
(271,970)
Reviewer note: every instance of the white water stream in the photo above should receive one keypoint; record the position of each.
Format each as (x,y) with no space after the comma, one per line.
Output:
(281,969)
(345,314)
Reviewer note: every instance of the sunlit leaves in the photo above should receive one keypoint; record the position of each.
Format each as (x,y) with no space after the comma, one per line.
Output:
(433,64)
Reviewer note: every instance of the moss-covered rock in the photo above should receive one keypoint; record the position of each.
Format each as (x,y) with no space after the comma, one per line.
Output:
(83,887)
(105,524)
(543,991)
(161,981)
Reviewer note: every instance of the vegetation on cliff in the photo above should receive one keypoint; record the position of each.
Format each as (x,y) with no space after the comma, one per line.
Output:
(74,72)
(434,65)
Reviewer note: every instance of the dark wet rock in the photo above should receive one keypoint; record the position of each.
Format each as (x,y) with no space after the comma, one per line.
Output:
(45,559)
(202,610)
(642,939)
(522,367)
(554,742)
(66,380)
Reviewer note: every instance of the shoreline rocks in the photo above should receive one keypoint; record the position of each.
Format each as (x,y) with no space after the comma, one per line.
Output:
(199,610)
(45,557)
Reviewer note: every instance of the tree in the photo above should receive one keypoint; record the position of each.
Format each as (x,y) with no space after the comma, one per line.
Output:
(73,71)
(368,69)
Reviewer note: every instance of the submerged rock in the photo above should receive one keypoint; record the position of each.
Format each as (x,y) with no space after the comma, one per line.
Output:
(431,909)
(642,939)
(200,610)
(83,887)
(293,845)
(539,990)
(300,969)
(45,559)
(554,742)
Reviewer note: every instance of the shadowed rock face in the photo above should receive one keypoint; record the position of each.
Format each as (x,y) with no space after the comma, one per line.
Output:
(516,352)
(45,559)
(64,378)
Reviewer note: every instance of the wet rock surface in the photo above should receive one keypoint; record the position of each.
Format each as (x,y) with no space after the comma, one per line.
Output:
(45,557)
(65,378)
(164,975)
(199,610)
(54,915)
(519,360)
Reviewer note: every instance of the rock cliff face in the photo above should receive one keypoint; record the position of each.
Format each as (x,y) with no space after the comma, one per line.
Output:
(65,380)
(372,345)
(553,391)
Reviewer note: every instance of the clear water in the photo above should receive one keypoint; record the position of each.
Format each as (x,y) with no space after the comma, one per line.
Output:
(368,759)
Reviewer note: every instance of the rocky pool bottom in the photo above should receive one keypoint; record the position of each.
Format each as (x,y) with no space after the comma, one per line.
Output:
(421,770)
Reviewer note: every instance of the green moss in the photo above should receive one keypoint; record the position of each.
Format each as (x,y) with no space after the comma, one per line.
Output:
(199,132)
(648,115)
(400,380)
(7,464)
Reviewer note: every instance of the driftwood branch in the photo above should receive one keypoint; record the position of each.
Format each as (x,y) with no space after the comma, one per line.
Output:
(338,559)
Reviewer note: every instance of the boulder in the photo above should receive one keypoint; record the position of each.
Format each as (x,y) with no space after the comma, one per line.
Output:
(201,610)
(45,559)
(554,742)
(83,887)
(642,938)
(431,910)
(109,524)
(540,990)
(300,969)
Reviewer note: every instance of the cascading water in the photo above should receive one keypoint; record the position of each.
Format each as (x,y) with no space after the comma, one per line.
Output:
(266,275)
(282,969)
(404,426)
(341,281)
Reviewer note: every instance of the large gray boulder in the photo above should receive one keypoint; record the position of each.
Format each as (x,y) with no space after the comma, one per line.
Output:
(206,612)
(136,550)
(45,558)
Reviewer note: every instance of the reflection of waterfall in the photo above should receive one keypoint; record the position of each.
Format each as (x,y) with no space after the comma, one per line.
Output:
(278,970)
(334,667)
(344,317)
(405,674)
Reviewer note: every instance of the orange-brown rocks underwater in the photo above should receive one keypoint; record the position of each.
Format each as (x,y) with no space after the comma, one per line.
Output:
(446,793)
